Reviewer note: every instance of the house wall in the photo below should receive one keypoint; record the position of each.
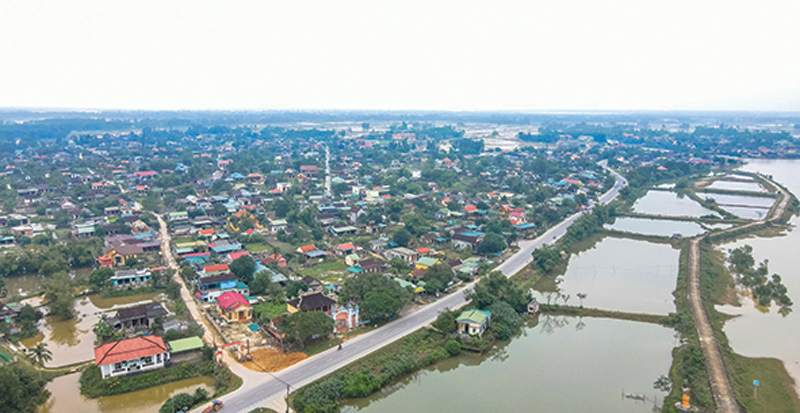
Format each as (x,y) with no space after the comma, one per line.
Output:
(191,356)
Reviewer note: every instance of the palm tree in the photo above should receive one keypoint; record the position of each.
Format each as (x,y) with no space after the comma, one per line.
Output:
(40,355)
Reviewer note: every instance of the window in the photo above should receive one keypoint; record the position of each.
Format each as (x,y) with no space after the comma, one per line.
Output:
(117,366)
(147,360)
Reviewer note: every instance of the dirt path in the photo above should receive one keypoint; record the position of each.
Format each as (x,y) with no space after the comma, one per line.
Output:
(166,252)
(721,389)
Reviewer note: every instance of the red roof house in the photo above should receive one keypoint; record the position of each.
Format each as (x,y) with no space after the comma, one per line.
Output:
(132,355)
(233,307)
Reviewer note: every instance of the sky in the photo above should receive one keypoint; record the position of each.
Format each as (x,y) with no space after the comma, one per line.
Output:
(401,55)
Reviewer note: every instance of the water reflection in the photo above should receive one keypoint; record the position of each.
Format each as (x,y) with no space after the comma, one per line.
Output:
(66,397)
(657,227)
(72,341)
(747,332)
(620,274)
(563,370)
(670,204)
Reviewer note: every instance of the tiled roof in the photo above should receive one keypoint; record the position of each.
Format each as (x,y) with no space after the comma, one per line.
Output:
(129,349)
(307,248)
(236,255)
(215,268)
(231,300)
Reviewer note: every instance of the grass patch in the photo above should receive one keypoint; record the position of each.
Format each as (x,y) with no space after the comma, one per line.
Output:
(108,293)
(776,392)
(321,346)
(367,375)
(319,270)
(269,310)
(255,248)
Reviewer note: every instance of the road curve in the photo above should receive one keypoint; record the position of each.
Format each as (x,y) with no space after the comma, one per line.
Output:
(258,393)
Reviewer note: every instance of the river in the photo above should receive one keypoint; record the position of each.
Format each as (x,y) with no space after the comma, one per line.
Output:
(563,364)
(756,333)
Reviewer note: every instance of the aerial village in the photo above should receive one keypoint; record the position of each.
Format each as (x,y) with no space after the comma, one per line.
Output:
(137,251)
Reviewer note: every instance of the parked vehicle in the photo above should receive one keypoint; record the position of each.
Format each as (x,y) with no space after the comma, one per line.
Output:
(216,406)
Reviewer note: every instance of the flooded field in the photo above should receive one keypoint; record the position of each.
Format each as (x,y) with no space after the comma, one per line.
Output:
(766,333)
(623,275)
(669,204)
(66,397)
(658,227)
(563,364)
(72,341)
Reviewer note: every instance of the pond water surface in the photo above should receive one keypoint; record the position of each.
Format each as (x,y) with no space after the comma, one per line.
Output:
(563,364)
(659,227)
(623,275)
(737,186)
(66,397)
(670,204)
(769,334)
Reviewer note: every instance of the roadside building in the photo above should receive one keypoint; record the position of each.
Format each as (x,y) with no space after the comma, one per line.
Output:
(234,307)
(186,350)
(472,322)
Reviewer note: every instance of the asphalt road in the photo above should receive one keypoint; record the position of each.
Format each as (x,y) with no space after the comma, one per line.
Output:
(268,387)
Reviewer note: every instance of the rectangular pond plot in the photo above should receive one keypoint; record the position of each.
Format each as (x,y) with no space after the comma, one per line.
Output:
(737,186)
(739,200)
(747,207)
(658,227)
(561,365)
(622,275)
(670,204)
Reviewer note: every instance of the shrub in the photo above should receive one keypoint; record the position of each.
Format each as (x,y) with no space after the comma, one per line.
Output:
(93,385)
(359,385)
(453,347)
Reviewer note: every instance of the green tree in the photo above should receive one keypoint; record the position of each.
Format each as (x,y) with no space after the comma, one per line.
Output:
(243,268)
(505,321)
(60,295)
(402,237)
(302,326)
(20,393)
(103,331)
(437,277)
(261,282)
(446,322)
(380,304)
(173,290)
(492,243)
(41,354)
(356,288)
(100,276)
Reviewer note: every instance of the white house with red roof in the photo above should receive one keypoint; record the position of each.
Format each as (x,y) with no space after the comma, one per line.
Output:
(132,355)
(234,307)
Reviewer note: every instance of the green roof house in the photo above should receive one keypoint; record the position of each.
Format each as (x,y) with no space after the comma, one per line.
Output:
(186,350)
(472,322)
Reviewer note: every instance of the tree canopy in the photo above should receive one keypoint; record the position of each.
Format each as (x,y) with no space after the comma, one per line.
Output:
(243,268)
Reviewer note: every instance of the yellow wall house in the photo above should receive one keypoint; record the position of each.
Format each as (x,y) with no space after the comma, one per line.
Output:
(233,307)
